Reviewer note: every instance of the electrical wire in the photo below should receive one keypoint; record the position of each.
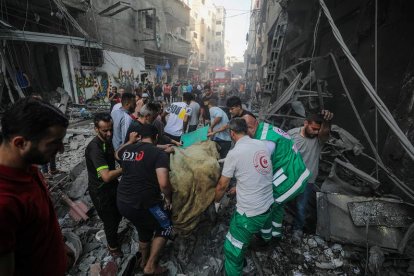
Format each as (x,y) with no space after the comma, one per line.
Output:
(376,78)
(403,187)
(315,34)
(382,108)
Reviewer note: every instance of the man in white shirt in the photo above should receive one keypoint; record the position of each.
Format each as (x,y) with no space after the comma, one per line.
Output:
(249,162)
(179,114)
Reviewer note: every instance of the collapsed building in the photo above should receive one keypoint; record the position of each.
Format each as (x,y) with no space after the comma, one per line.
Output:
(355,59)
(364,204)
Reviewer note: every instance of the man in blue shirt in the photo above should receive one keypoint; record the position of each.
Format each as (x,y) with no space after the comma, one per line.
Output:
(218,128)
(122,119)
(189,87)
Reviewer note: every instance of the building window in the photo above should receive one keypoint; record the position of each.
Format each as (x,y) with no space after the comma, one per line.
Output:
(202,20)
(195,35)
(218,33)
(183,32)
(203,2)
(90,57)
(202,56)
(149,21)
(202,39)
(218,22)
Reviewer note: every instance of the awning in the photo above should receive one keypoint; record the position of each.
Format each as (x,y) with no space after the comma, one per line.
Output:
(17,35)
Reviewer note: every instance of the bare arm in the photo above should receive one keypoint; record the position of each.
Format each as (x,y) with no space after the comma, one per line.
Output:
(185,123)
(164,181)
(216,121)
(163,115)
(221,188)
(108,176)
(7,264)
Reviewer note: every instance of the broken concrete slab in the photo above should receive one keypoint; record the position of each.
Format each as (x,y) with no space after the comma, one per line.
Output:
(78,187)
(386,212)
(335,224)
(77,169)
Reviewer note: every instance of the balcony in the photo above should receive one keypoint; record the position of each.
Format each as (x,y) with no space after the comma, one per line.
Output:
(177,13)
(176,45)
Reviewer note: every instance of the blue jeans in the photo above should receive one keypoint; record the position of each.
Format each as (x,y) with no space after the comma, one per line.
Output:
(301,206)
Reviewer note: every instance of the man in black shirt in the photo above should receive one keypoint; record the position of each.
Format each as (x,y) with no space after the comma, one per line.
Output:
(235,108)
(102,179)
(144,183)
(147,115)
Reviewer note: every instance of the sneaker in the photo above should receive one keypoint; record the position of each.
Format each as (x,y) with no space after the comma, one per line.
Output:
(297,236)
(258,243)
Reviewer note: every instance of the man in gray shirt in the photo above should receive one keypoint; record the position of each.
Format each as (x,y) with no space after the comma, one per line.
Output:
(309,140)
(195,114)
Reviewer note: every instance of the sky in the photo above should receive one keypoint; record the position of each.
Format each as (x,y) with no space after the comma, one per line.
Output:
(237,25)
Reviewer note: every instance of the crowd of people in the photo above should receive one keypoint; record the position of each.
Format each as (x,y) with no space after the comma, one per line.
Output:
(128,173)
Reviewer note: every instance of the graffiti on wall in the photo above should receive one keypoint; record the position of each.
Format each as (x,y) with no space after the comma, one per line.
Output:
(92,85)
(126,78)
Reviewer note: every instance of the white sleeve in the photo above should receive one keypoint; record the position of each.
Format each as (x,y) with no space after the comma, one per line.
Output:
(271,146)
(229,166)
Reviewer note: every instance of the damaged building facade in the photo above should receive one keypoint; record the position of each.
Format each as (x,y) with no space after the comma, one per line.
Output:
(85,48)
(355,59)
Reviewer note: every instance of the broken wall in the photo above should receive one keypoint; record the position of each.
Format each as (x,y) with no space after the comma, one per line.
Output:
(117,69)
(355,19)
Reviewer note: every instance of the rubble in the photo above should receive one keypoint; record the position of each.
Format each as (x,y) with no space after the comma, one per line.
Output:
(333,251)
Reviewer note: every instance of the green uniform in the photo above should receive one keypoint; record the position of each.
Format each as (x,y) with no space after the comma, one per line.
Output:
(289,172)
(242,229)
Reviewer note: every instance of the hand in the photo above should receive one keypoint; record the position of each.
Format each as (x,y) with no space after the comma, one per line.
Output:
(232,191)
(133,137)
(327,115)
(169,149)
(216,206)
(167,204)
(210,134)
(178,144)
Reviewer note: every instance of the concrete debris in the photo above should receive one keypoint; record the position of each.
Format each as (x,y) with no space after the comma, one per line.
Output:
(345,179)
(335,223)
(312,243)
(337,249)
(376,260)
(79,187)
(386,212)
(74,243)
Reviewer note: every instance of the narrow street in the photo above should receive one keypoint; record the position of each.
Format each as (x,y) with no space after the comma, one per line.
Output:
(206,137)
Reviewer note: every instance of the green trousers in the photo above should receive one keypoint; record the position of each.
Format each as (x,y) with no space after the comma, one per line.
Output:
(242,229)
(284,190)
